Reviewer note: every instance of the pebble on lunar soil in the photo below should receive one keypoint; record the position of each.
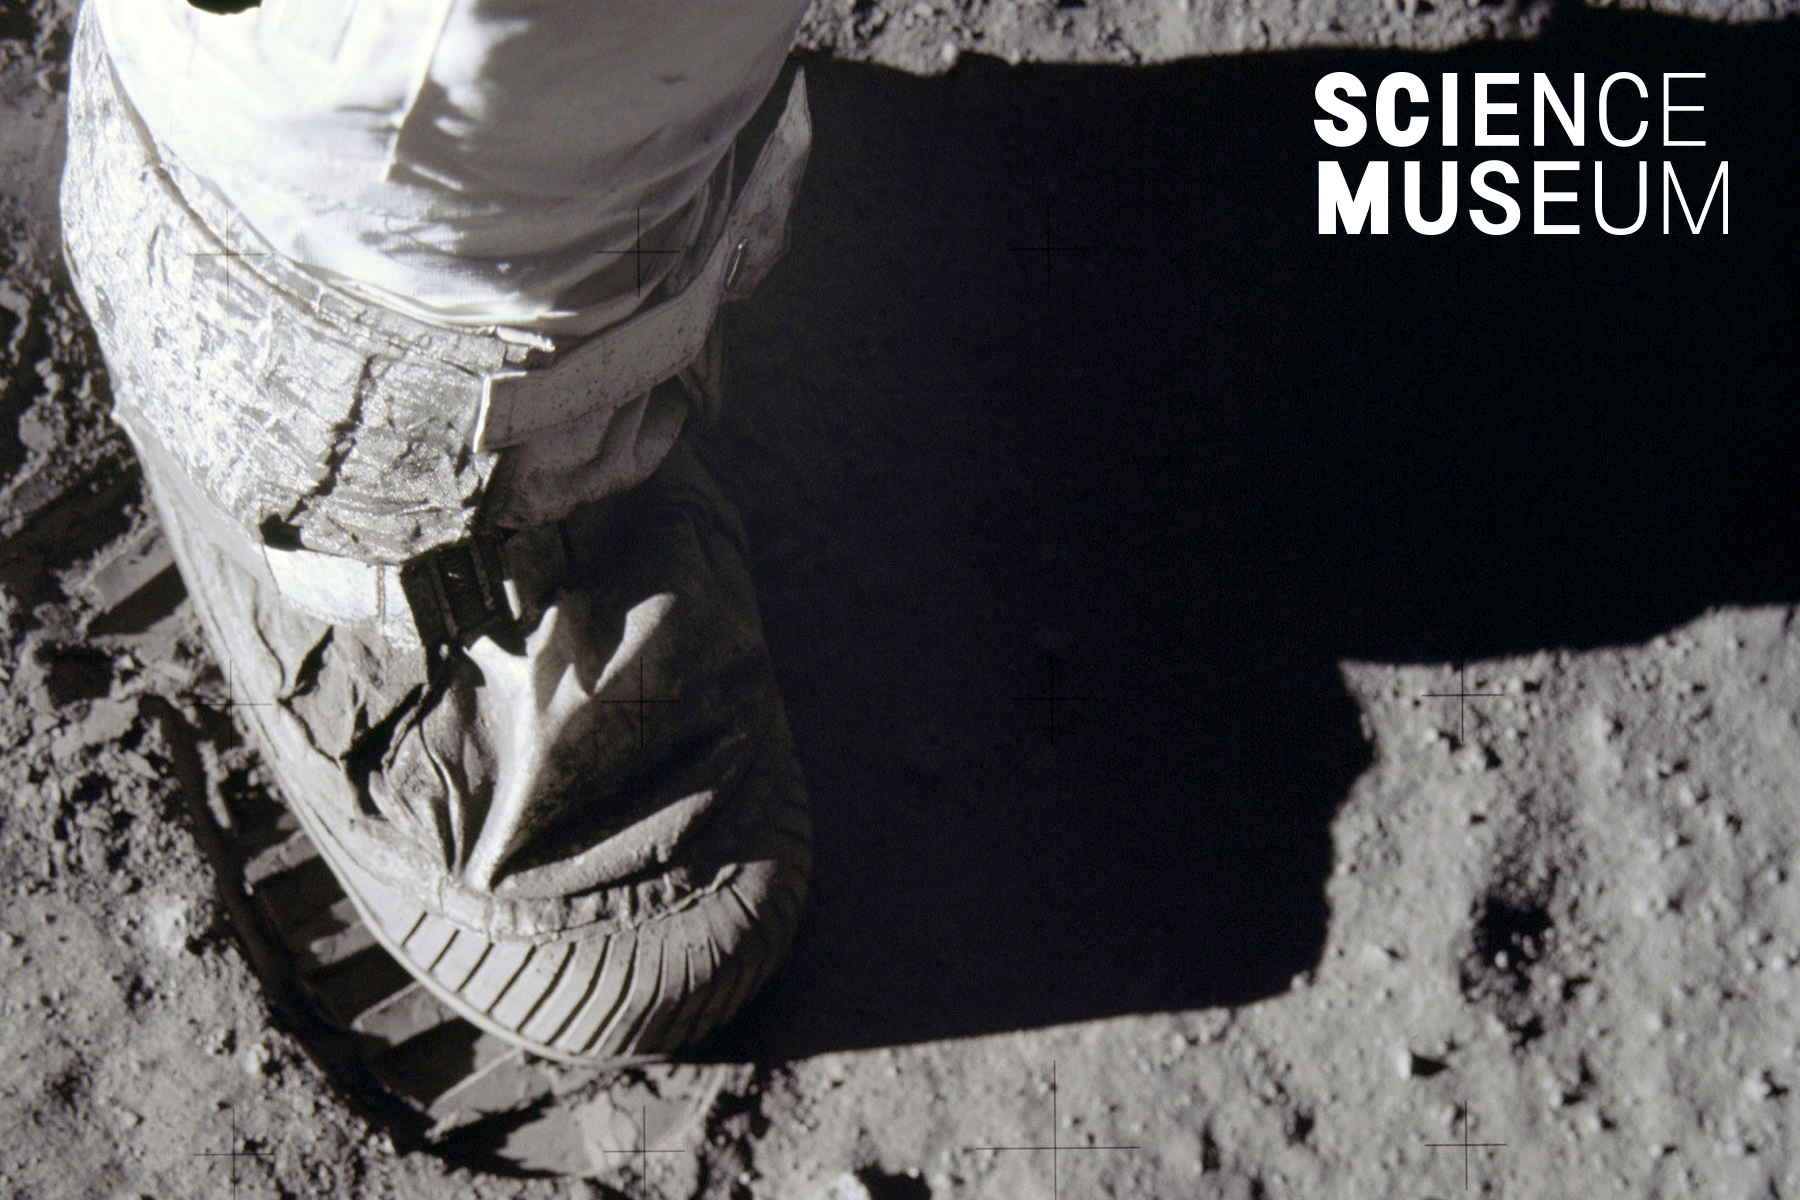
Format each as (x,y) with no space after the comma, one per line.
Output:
(845,1187)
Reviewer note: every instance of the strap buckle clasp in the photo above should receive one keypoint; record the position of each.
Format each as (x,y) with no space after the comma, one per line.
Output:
(458,592)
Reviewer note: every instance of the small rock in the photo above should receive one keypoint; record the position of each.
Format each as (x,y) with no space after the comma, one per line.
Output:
(259,1058)
(845,1187)
(1374,955)
(170,922)
(1403,1062)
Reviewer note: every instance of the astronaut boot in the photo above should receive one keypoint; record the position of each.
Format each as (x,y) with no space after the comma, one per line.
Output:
(537,740)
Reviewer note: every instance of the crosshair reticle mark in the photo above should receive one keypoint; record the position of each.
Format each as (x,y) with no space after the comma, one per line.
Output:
(1462,695)
(640,700)
(642,1150)
(231,695)
(638,253)
(1050,697)
(1462,1121)
(233,1153)
(1049,248)
(1055,1147)
(228,253)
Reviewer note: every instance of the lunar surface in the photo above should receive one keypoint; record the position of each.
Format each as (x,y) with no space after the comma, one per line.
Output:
(1286,716)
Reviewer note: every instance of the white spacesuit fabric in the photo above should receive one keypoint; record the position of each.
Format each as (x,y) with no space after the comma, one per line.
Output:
(471,163)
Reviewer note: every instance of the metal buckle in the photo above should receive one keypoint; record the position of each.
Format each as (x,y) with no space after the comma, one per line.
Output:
(457,592)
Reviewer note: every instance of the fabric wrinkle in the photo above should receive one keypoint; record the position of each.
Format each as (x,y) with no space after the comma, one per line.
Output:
(469,163)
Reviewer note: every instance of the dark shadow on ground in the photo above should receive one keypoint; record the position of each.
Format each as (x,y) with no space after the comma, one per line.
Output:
(1213,458)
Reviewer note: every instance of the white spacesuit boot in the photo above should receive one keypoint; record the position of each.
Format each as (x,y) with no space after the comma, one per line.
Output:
(489,615)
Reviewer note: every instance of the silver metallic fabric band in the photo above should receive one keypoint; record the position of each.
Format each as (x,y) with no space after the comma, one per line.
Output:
(327,424)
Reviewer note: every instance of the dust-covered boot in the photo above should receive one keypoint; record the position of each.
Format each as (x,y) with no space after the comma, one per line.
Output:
(486,614)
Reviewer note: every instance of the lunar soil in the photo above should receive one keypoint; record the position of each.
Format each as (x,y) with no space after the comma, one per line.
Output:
(1284,719)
